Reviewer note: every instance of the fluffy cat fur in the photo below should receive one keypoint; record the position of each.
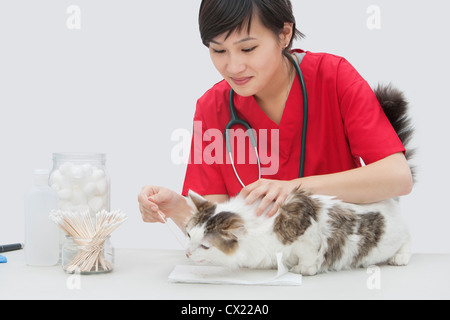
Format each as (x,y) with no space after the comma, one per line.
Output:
(315,233)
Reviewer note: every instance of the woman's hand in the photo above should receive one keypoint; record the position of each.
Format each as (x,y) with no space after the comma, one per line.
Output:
(156,201)
(271,192)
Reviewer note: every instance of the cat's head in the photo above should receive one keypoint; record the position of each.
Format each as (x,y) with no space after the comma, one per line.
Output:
(214,232)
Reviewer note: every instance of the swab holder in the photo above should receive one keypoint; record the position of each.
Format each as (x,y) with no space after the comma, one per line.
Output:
(87,249)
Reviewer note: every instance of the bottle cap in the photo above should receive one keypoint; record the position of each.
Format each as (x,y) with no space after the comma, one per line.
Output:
(41,177)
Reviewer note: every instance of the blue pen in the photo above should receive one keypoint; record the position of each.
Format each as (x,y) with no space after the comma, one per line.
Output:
(3,259)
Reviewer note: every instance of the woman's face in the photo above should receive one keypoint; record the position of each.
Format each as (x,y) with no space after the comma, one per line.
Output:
(248,61)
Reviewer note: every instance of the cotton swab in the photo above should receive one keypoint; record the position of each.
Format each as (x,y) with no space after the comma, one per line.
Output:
(170,229)
(90,235)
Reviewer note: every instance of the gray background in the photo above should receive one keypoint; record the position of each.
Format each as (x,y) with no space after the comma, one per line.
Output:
(131,75)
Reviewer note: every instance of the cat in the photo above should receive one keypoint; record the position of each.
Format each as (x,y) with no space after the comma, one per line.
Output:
(314,233)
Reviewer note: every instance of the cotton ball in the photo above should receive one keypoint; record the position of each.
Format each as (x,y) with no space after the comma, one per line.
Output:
(74,176)
(66,168)
(90,189)
(58,181)
(102,187)
(87,170)
(65,206)
(95,204)
(77,173)
(65,194)
(78,197)
(98,174)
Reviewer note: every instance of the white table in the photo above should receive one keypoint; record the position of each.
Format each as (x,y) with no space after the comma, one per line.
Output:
(143,274)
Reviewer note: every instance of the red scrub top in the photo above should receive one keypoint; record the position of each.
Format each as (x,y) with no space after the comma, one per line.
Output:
(345,123)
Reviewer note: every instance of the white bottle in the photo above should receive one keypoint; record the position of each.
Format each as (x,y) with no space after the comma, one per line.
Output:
(41,234)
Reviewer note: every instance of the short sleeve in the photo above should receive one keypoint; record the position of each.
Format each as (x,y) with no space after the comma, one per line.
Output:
(202,177)
(370,134)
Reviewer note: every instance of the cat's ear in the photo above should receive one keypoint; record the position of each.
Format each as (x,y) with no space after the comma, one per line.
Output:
(197,200)
(236,229)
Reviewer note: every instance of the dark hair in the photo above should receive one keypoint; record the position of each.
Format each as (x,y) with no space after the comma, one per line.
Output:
(220,16)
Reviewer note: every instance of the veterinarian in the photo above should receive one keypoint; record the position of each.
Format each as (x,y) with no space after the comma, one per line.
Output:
(250,43)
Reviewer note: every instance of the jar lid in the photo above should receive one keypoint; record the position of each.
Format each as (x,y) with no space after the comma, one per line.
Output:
(79,156)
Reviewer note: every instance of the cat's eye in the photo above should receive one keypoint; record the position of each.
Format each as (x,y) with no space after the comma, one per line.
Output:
(204,247)
(189,236)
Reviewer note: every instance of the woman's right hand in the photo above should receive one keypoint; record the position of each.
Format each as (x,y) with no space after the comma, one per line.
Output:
(154,200)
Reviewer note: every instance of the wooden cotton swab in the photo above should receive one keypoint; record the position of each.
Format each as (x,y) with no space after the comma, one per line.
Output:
(170,229)
(89,235)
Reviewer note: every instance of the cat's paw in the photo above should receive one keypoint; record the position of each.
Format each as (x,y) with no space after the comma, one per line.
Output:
(400,259)
(305,270)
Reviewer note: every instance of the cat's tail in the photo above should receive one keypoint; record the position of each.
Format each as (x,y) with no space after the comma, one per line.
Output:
(396,107)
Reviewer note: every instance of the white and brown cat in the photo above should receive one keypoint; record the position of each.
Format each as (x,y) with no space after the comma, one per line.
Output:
(314,233)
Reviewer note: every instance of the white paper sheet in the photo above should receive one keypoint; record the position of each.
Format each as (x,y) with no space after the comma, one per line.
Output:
(222,275)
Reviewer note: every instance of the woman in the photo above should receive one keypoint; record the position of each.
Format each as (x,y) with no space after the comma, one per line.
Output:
(250,45)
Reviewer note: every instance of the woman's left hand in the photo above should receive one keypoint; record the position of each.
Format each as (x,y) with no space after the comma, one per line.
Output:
(271,192)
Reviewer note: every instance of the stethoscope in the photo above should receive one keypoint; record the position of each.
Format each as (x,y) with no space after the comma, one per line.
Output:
(235,120)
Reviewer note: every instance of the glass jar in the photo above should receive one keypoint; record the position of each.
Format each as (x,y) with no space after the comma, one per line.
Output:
(81,181)
(87,256)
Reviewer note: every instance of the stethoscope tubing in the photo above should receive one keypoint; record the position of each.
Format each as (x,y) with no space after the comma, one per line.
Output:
(235,120)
